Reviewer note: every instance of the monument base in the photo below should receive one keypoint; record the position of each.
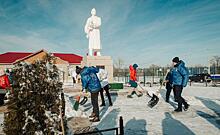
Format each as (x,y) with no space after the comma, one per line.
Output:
(104,62)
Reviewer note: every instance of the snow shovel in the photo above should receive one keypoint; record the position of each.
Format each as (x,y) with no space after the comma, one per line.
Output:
(145,90)
(84,100)
(75,103)
(154,100)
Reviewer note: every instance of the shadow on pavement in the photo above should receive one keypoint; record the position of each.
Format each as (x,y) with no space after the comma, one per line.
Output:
(210,118)
(136,127)
(109,121)
(172,126)
(87,107)
(105,108)
(215,120)
(163,94)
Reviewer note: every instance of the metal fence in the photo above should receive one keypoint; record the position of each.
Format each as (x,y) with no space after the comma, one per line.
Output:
(145,76)
(153,75)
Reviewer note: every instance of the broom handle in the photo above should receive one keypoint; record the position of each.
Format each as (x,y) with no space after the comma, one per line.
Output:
(141,87)
(158,91)
(62,126)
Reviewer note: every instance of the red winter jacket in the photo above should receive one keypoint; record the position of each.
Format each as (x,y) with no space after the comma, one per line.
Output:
(133,73)
(4,82)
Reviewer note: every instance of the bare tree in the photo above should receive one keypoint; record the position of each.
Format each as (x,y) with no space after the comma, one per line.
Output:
(153,68)
(119,63)
(215,61)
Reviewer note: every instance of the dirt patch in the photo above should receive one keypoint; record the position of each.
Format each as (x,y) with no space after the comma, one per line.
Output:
(3,109)
(71,89)
(81,125)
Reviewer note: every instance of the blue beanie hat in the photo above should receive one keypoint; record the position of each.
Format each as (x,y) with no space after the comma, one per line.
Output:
(135,66)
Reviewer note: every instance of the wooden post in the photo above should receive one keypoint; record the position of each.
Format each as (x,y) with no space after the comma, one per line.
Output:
(62,125)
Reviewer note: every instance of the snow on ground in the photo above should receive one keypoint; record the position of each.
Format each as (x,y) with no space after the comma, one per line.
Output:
(203,117)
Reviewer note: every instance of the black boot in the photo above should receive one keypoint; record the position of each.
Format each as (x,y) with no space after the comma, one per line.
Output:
(133,92)
(186,107)
(95,119)
(129,96)
(178,110)
(103,104)
(92,115)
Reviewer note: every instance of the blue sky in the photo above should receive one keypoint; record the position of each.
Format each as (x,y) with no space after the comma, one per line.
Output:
(137,31)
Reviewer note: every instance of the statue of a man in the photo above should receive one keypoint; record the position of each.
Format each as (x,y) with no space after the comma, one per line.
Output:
(93,33)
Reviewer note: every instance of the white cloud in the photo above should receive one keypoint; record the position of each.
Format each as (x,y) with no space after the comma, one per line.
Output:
(28,43)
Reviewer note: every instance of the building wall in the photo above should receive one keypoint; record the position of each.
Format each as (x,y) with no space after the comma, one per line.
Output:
(64,67)
(71,68)
(33,58)
(100,61)
(5,66)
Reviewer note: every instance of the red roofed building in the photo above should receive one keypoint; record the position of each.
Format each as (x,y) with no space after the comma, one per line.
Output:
(11,57)
(65,62)
(71,58)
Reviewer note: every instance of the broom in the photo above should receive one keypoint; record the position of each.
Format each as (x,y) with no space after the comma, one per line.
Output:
(84,100)
(75,103)
(145,90)
(155,99)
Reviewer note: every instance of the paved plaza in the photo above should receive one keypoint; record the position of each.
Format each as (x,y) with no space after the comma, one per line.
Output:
(202,118)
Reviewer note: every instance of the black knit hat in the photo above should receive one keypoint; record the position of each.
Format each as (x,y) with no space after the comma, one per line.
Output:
(176,60)
(78,69)
(135,66)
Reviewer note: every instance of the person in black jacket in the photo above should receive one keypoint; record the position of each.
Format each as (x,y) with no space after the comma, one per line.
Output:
(168,83)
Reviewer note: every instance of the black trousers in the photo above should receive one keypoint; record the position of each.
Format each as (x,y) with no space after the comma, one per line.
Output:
(74,80)
(2,97)
(169,89)
(106,88)
(178,91)
(94,101)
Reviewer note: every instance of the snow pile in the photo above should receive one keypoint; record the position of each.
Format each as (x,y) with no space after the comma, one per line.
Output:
(69,109)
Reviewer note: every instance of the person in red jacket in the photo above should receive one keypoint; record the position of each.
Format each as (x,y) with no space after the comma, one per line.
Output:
(133,81)
(4,84)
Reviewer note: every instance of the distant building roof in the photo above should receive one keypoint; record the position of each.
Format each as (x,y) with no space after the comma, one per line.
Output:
(11,57)
(71,58)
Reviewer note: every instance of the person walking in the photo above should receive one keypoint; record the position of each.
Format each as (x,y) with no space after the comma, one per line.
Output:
(91,83)
(103,78)
(133,81)
(180,77)
(4,86)
(168,83)
(74,76)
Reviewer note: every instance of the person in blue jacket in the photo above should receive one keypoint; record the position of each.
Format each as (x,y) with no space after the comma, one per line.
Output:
(91,82)
(180,77)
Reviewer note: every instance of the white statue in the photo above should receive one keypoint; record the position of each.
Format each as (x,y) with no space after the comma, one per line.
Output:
(93,34)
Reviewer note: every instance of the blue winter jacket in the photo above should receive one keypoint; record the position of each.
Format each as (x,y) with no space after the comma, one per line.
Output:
(90,80)
(180,74)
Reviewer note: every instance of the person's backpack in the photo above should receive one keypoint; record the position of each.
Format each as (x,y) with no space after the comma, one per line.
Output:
(4,82)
